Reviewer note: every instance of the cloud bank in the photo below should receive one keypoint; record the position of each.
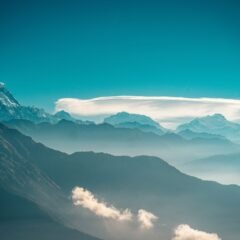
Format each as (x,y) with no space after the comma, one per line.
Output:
(84,198)
(185,232)
(169,111)
(146,219)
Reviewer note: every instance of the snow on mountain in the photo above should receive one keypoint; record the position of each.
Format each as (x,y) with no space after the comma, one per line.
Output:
(213,124)
(10,109)
(129,120)
(64,116)
(6,98)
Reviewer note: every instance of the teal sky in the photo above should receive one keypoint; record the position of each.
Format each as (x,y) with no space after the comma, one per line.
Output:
(55,49)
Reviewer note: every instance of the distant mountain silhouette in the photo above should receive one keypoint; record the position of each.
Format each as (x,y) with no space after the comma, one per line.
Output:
(129,120)
(188,134)
(70,137)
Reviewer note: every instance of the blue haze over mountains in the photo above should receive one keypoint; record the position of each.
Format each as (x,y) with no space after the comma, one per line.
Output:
(44,156)
(126,134)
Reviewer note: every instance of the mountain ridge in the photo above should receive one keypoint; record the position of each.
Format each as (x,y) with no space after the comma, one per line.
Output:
(70,137)
(223,168)
(213,124)
(11,109)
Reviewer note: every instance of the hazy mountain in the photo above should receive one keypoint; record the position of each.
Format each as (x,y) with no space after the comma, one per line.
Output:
(64,115)
(139,182)
(188,134)
(70,137)
(129,120)
(122,117)
(223,168)
(214,124)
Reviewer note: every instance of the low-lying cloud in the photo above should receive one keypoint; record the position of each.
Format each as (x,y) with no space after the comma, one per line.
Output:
(146,219)
(84,198)
(185,232)
(169,111)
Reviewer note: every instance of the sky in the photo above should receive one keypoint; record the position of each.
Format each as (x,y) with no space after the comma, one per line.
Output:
(86,49)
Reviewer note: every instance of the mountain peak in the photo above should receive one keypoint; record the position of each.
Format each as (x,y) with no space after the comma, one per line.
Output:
(213,124)
(133,120)
(215,120)
(6,98)
(2,85)
(122,117)
(64,115)
(216,116)
(12,109)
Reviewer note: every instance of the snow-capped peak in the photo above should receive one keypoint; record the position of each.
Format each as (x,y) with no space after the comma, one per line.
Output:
(125,117)
(6,97)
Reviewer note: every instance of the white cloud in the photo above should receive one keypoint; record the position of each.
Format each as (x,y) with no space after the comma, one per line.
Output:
(84,198)
(170,111)
(146,219)
(185,232)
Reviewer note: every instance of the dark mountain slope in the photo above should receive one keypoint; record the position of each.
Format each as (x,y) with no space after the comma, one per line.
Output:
(21,219)
(23,192)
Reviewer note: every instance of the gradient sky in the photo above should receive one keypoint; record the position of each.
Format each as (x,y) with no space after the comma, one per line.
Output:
(57,49)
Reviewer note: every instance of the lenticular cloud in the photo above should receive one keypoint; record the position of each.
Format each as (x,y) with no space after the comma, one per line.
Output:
(84,198)
(185,232)
(169,111)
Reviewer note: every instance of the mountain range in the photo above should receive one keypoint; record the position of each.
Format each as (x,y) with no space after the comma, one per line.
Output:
(71,137)
(33,172)
(214,124)
(129,134)
(11,109)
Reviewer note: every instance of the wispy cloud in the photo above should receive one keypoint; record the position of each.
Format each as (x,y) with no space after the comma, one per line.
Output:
(170,111)
(185,232)
(84,198)
(146,219)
